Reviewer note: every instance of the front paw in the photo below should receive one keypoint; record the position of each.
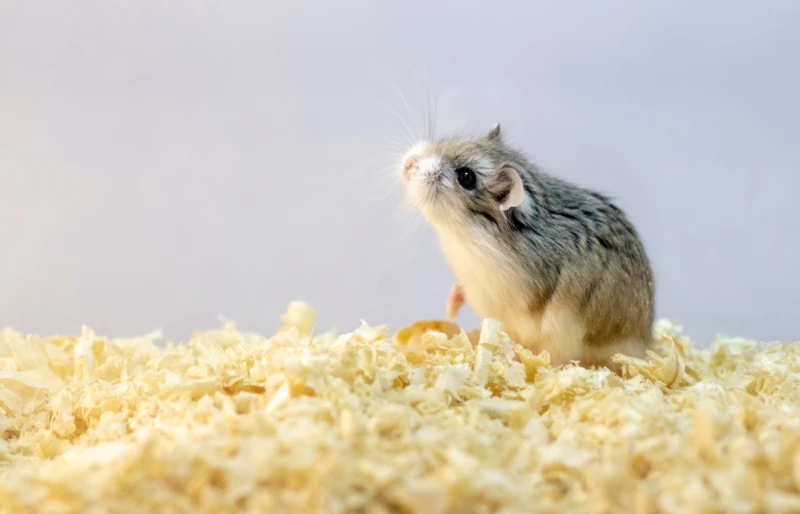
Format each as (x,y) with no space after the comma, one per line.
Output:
(455,300)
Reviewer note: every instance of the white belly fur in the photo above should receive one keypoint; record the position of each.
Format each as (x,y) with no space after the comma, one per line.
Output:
(494,290)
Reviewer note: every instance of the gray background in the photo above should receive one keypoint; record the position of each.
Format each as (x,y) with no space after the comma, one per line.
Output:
(164,163)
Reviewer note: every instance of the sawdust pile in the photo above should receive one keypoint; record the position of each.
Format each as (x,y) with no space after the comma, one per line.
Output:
(422,421)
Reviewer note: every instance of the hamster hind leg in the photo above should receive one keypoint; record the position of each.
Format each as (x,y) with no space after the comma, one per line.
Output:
(602,355)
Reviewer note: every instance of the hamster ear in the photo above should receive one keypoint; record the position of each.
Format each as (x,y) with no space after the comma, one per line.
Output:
(507,187)
(494,133)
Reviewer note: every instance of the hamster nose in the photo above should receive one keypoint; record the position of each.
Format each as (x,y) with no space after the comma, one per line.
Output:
(410,167)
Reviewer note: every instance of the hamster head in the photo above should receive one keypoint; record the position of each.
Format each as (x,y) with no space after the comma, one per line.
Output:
(454,180)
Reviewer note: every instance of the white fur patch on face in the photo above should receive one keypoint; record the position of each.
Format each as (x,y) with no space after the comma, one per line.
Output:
(422,172)
(482,166)
(410,167)
(417,150)
(429,166)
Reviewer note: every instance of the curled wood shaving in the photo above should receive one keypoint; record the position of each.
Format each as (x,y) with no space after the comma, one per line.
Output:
(431,419)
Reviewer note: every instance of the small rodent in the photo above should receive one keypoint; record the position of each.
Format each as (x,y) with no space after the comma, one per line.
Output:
(559,266)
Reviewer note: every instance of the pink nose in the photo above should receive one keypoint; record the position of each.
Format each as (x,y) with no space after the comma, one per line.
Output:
(410,167)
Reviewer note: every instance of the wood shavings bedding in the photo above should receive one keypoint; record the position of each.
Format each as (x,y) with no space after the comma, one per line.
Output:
(425,421)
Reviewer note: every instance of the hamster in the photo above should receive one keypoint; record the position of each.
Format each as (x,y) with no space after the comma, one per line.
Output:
(560,267)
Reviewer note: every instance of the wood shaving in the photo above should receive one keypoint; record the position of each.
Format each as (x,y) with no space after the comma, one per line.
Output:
(431,420)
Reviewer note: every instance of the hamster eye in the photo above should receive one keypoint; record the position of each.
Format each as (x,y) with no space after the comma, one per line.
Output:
(466,178)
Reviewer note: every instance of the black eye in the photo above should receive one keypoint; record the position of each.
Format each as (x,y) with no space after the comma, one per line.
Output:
(466,177)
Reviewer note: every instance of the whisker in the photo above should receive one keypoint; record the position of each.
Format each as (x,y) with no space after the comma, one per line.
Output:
(403,99)
(411,223)
(396,150)
(428,98)
(432,115)
(413,137)
(404,138)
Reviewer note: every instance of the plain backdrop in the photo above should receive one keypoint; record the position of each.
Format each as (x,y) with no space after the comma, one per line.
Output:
(164,163)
